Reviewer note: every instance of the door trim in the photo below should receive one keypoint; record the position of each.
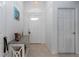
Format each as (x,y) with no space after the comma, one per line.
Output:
(75,16)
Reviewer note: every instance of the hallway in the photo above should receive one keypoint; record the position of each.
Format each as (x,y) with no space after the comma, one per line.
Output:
(43,27)
(41,50)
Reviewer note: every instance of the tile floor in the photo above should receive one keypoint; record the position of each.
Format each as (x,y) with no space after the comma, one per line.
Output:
(41,50)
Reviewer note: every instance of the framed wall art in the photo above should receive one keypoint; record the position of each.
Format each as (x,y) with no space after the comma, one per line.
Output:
(16,14)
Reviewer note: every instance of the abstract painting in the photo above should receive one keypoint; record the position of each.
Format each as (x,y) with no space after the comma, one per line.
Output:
(16,14)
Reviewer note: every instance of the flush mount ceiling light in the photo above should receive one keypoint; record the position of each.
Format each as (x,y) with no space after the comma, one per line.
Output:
(34,19)
(35,7)
(35,3)
(2,3)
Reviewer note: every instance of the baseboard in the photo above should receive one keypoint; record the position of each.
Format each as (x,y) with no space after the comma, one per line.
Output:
(34,43)
(77,53)
(38,43)
(54,52)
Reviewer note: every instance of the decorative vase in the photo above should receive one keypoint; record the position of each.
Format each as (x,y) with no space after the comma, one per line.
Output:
(17,36)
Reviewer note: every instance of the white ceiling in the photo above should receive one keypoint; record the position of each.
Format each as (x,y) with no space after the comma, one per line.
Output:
(34,7)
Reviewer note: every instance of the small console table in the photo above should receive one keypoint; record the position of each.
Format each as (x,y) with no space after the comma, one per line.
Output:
(19,48)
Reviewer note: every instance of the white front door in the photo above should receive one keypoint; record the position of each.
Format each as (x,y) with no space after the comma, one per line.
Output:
(66,30)
(37,30)
(34,29)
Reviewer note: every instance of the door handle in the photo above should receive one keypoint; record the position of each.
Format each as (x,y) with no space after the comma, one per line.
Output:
(74,33)
(29,32)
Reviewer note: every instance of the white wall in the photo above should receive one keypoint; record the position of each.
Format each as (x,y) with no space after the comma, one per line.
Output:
(2,28)
(8,25)
(51,25)
(13,25)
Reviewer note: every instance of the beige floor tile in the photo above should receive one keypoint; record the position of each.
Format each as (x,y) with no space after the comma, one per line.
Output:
(41,50)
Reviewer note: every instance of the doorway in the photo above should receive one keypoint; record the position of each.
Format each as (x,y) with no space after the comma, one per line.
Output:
(66,30)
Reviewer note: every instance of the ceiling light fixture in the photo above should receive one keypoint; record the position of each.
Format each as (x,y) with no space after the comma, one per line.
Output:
(35,3)
(34,18)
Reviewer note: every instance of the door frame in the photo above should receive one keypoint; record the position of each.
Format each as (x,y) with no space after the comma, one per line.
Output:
(75,19)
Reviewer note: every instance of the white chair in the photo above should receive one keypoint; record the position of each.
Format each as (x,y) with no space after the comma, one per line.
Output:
(17,50)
